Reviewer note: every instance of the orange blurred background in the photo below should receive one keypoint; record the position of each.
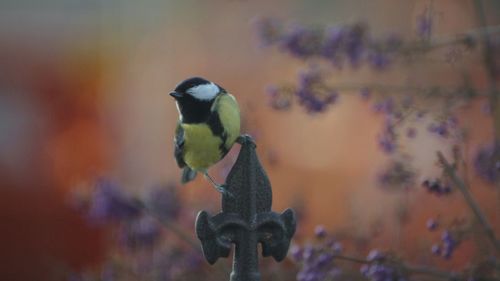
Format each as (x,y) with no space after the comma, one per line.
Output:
(83,94)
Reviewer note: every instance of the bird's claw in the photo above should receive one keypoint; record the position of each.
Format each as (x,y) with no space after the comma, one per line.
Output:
(223,190)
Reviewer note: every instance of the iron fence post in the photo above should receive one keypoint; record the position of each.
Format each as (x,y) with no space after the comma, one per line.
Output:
(246,219)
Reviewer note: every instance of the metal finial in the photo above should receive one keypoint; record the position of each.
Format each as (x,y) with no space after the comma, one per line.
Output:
(246,219)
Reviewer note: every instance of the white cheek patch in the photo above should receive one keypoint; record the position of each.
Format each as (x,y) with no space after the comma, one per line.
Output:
(204,92)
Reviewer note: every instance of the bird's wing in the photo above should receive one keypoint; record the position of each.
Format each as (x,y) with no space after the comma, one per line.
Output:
(179,145)
(228,115)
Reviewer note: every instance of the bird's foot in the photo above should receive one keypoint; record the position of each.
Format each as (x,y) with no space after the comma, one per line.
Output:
(245,139)
(222,188)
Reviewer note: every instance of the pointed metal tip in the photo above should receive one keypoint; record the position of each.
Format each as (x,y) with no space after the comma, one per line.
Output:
(246,139)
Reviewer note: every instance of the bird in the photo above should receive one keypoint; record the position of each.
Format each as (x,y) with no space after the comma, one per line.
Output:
(208,126)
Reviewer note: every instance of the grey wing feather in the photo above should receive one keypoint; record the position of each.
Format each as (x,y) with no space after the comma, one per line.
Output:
(187,173)
(179,145)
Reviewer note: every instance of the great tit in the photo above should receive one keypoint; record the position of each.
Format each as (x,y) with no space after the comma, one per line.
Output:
(208,126)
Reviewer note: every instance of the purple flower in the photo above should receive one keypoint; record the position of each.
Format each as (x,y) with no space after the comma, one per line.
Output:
(302,42)
(486,162)
(175,263)
(420,115)
(452,121)
(432,224)
(440,129)
(387,138)
(163,201)
(320,231)
(364,269)
(336,247)
(379,60)
(311,91)
(324,259)
(141,232)
(108,273)
(308,253)
(278,99)
(108,202)
(385,106)
(269,30)
(447,247)
(393,43)
(380,272)
(375,255)
(432,128)
(486,108)
(193,260)
(365,93)
(446,189)
(355,43)
(449,244)
(296,253)
(411,133)
(317,266)
(387,143)
(436,187)
(377,270)
(436,249)
(308,99)
(424,25)
(310,275)
(333,43)
(334,273)
(396,176)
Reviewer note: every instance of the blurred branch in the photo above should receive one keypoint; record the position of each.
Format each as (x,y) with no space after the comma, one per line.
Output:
(174,227)
(177,229)
(462,186)
(484,36)
(410,269)
(352,259)
(430,91)
(425,270)
(465,38)
(180,233)
(489,63)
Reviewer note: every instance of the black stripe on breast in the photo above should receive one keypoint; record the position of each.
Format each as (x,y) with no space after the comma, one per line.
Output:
(193,110)
(217,129)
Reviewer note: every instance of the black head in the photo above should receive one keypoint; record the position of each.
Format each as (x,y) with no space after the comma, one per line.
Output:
(198,88)
(194,97)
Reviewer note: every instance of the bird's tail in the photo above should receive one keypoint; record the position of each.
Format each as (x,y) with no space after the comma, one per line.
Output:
(188,175)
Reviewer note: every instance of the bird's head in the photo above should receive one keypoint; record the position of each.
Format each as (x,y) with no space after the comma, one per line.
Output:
(194,97)
(196,88)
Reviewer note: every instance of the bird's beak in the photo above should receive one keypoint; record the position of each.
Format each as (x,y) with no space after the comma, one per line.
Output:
(176,95)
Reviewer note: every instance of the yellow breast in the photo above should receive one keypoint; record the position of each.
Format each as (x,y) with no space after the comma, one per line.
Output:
(201,147)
